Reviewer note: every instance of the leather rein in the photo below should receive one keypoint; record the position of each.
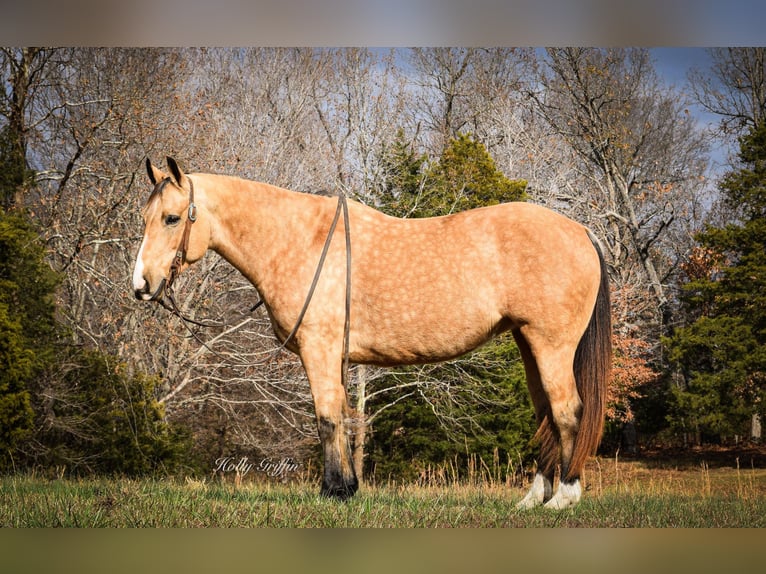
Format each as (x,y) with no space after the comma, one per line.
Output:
(165,290)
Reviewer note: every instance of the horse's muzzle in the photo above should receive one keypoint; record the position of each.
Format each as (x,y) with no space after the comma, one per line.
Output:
(144,294)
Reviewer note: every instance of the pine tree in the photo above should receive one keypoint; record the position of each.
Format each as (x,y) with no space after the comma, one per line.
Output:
(103,419)
(27,326)
(466,176)
(13,171)
(61,404)
(721,354)
(404,178)
(16,415)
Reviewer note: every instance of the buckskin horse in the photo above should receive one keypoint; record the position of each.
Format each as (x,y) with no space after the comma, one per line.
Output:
(403,291)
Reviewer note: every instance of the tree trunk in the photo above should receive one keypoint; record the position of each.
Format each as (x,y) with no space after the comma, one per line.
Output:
(755,428)
(360,428)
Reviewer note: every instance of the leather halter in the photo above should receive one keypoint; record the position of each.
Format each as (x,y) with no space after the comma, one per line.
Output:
(178,260)
(165,287)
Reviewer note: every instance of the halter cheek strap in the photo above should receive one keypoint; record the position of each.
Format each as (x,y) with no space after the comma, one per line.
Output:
(178,260)
(166,287)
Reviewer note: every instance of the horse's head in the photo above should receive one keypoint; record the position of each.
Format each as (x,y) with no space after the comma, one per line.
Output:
(176,232)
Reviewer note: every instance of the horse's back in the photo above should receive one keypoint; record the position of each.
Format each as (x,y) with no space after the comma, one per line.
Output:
(473,249)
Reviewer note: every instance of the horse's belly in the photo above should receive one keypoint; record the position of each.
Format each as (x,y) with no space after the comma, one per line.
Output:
(409,337)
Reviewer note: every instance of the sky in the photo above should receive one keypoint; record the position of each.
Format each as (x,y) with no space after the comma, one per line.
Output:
(673,65)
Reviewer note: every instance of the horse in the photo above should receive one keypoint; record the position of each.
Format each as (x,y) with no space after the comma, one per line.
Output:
(403,291)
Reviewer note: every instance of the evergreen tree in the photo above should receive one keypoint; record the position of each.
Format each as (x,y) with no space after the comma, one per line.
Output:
(13,168)
(721,354)
(464,177)
(27,326)
(101,418)
(27,309)
(62,405)
(488,414)
(27,283)
(16,415)
(404,178)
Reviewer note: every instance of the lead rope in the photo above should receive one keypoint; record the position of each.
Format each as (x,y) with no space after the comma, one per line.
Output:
(181,255)
(347,321)
(342,204)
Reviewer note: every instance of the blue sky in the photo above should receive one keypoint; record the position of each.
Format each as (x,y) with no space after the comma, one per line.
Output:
(674,63)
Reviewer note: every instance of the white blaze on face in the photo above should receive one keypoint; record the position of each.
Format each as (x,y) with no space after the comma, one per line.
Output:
(138,272)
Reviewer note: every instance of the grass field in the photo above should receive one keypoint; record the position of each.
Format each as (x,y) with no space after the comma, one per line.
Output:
(618,494)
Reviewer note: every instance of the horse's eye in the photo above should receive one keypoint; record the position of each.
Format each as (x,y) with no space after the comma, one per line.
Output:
(171,220)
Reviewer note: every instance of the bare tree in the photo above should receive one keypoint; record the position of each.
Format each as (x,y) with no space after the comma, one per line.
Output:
(254,116)
(463,90)
(24,71)
(639,153)
(734,87)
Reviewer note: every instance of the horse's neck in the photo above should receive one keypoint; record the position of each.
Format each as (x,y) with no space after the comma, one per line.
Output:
(253,223)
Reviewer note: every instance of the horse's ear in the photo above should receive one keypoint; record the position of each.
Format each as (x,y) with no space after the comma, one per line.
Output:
(155,175)
(176,171)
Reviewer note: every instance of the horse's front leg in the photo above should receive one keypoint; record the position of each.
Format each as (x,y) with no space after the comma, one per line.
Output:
(331,406)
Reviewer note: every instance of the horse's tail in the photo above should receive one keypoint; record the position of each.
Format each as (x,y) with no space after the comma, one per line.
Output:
(592,368)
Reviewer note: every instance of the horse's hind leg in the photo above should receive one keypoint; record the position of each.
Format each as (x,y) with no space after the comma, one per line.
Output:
(542,485)
(330,403)
(559,413)
(558,380)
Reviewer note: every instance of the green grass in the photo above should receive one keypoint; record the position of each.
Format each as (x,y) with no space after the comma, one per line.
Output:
(617,495)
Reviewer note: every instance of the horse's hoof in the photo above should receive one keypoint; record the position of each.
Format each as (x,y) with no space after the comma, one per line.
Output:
(567,495)
(340,491)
